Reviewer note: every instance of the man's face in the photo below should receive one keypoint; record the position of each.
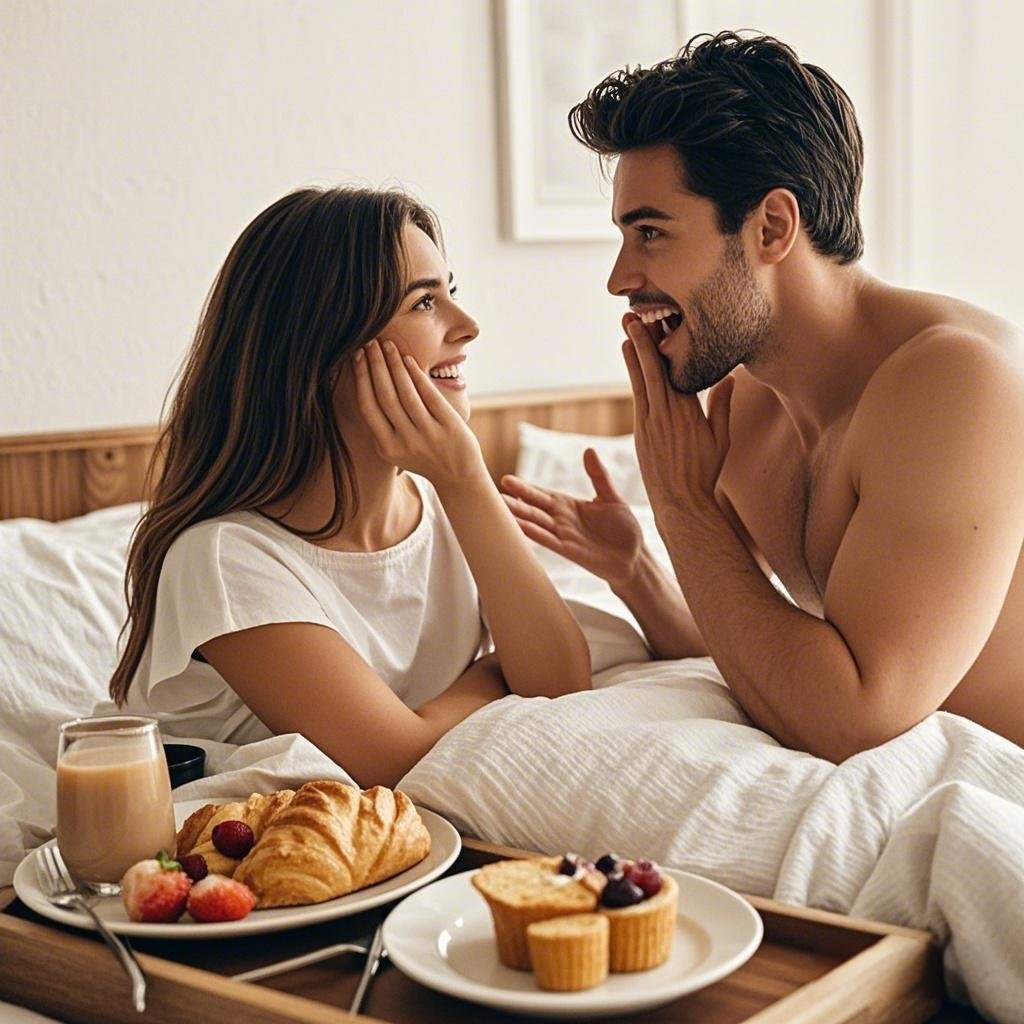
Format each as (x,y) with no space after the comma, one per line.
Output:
(682,275)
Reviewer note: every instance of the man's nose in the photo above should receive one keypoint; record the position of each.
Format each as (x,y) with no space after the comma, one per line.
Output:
(623,280)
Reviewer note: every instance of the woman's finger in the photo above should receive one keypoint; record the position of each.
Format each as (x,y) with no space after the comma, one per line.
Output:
(405,390)
(603,486)
(384,388)
(436,404)
(366,398)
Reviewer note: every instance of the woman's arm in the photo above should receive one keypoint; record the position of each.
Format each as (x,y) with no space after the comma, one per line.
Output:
(543,651)
(301,677)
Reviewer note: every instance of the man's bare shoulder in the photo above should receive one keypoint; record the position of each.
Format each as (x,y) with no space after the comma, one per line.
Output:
(968,372)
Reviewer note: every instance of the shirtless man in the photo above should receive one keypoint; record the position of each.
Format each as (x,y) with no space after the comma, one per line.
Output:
(862,442)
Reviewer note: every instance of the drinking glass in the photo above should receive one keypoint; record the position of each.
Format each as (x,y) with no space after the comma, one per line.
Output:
(114,803)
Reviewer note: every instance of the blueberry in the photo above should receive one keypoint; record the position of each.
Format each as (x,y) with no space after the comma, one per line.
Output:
(621,892)
(607,864)
(569,864)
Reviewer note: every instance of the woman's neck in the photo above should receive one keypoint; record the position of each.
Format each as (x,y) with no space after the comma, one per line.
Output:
(389,507)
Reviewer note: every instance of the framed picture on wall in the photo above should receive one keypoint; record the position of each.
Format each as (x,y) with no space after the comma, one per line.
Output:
(552,52)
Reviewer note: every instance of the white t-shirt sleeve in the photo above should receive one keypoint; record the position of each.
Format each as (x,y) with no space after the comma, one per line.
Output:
(220,578)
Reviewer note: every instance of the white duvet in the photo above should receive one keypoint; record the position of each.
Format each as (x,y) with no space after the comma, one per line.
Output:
(658,760)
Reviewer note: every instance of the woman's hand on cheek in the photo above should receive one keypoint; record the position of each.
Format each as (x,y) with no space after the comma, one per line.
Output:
(412,424)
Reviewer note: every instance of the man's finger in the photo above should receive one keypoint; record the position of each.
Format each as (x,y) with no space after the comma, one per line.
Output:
(540,535)
(650,363)
(530,513)
(603,486)
(538,496)
(641,406)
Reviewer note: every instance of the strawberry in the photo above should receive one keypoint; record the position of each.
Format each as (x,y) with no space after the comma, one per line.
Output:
(218,898)
(155,890)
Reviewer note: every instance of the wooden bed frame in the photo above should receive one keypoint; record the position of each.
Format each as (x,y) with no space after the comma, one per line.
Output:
(57,476)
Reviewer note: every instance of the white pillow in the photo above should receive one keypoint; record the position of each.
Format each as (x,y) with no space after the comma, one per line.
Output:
(554,459)
(61,609)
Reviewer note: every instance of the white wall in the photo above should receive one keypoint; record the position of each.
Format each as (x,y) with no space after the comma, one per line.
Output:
(140,136)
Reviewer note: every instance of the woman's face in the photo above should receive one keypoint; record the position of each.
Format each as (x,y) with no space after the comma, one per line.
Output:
(430,325)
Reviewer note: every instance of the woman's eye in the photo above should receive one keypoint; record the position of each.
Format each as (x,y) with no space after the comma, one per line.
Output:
(426,303)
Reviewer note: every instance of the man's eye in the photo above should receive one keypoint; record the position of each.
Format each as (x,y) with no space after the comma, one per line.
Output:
(427,302)
(647,233)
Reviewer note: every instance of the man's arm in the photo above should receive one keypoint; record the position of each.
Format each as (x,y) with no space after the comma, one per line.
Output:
(918,580)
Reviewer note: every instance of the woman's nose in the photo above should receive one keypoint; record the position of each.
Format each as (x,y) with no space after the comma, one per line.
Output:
(466,329)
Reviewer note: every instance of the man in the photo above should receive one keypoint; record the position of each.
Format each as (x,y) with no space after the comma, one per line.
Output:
(863,443)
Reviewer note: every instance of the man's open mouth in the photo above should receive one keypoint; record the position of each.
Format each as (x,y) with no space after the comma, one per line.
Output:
(668,318)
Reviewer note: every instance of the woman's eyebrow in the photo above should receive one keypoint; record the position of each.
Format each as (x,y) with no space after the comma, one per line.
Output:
(427,282)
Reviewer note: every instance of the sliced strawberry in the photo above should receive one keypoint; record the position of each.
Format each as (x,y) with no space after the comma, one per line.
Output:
(217,898)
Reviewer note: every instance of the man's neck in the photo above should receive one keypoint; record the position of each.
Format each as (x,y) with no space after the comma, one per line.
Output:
(824,345)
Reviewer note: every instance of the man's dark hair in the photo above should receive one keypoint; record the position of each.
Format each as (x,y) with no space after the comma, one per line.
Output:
(744,116)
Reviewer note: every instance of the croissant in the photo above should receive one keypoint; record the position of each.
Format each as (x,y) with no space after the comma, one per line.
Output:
(330,840)
(196,834)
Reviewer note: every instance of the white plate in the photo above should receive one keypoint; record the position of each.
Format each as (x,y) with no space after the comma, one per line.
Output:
(443,938)
(445,845)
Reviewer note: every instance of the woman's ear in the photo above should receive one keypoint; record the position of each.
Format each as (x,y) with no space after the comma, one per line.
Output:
(777,222)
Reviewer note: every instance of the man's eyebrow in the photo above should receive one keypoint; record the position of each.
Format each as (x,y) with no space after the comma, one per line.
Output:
(644,213)
(427,282)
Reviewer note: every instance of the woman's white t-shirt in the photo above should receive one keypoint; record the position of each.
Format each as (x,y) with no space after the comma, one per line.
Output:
(411,611)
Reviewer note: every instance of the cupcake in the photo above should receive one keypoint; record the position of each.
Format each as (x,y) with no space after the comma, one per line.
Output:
(521,892)
(569,953)
(641,905)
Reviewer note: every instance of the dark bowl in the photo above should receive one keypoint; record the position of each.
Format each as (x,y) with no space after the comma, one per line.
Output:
(184,762)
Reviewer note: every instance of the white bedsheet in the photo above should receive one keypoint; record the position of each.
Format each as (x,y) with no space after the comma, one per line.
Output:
(926,831)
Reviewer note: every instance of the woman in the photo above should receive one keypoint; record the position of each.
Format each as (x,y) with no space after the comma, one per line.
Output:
(324,542)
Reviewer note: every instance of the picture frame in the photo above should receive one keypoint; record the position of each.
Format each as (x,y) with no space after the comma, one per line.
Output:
(551,53)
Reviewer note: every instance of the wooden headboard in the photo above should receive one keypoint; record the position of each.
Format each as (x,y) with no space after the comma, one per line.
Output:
(56,476)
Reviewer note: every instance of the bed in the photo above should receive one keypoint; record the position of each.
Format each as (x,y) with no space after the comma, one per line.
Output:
(658,760)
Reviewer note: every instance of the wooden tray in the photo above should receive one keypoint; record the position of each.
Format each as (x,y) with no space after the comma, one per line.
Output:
(812,968)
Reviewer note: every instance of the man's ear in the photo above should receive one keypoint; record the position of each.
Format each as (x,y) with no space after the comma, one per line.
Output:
(776,221)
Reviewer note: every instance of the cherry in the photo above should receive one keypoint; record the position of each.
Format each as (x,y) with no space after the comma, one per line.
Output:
(645,875)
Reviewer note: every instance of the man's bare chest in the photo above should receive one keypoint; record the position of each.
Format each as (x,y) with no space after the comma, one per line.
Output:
(796,505)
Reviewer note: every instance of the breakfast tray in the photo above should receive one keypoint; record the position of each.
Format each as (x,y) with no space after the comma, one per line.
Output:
(812,968)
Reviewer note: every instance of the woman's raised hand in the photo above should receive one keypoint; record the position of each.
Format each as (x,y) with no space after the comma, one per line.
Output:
(413,426)
(602,534)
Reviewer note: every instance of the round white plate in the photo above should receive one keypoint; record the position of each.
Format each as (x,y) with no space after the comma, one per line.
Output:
(442,937)
(445,845)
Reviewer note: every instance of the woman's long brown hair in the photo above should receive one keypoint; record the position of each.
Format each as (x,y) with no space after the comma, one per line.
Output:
(315,276)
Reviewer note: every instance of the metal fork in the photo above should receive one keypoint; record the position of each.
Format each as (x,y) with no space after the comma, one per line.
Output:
(59,888)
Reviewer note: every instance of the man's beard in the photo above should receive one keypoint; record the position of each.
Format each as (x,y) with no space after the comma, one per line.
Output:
(729,323)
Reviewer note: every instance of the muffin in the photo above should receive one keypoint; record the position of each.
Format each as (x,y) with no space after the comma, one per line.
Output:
(640,935)
(521,892)
(569,953)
